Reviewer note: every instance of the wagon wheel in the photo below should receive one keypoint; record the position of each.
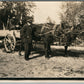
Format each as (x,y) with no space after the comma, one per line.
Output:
(9,43)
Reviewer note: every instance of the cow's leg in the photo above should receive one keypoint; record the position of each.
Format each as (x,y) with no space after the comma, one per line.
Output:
(46,46)
(49,49)
(35,44)
(66,47)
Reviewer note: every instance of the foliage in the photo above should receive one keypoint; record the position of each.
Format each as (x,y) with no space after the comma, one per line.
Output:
(72,19)
(19,12)
(49,20)
(72,13)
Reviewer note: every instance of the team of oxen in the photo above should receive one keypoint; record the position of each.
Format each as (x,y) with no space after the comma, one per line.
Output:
(48,34)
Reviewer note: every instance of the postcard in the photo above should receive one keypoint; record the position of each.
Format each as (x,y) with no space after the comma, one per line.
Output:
(42,40)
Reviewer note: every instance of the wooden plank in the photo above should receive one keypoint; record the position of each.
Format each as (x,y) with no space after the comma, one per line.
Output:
(3,33)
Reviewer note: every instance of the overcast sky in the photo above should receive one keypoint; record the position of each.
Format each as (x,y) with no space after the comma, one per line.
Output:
(45,9)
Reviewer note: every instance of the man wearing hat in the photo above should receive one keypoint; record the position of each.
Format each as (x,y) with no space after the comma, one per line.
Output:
(26,38)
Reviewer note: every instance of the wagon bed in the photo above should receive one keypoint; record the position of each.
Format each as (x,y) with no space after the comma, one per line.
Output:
(3,33)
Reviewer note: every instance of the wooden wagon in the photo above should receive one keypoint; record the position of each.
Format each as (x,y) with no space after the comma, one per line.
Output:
(8,38)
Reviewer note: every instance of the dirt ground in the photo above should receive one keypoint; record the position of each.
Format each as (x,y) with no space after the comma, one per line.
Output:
(15,66)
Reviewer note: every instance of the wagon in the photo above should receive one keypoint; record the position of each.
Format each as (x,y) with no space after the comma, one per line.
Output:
(9,38)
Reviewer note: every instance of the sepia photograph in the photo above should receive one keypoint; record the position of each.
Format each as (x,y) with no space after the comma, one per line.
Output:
(42,39)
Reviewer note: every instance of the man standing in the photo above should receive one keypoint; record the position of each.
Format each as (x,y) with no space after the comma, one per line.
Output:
(26,39)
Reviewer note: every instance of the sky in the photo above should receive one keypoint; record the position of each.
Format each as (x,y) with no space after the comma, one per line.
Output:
(45,9)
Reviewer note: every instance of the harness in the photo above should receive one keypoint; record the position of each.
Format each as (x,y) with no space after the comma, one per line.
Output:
(47,29)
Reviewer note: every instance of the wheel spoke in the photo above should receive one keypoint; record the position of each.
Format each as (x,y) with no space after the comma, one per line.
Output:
(8,39)
(9,43)
(12,46)
(9,48)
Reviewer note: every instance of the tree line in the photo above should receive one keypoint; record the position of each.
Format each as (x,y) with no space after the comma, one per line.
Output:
(16,12)
(19,12)
(73,13)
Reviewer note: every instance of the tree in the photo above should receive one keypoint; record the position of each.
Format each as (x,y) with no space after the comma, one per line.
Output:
(73,17)
(70,15)
(18,11)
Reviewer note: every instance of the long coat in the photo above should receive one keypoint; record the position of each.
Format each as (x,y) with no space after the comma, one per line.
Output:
(26,39)
(26,33)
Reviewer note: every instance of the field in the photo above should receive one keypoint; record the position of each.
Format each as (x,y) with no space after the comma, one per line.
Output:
(15,66)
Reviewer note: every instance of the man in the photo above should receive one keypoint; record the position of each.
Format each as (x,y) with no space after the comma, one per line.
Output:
(26,39)
(48,39)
